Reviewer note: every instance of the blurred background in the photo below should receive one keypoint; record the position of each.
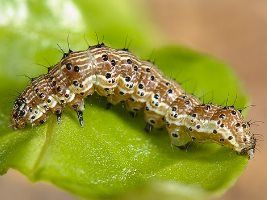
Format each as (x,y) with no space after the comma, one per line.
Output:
(233,31)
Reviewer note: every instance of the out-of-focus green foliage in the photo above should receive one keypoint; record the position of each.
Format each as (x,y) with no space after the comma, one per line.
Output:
(111,156)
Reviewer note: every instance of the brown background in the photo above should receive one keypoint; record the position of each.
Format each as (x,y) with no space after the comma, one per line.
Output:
(232,30)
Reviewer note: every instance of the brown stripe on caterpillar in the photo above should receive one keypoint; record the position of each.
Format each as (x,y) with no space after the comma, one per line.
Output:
(121,76)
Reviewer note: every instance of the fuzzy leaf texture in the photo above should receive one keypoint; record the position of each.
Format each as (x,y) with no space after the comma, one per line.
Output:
(111,156)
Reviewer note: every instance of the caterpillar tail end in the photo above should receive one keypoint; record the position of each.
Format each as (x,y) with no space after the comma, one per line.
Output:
(251,154)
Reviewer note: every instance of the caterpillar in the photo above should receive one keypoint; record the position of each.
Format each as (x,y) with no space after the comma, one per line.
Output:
(120,76)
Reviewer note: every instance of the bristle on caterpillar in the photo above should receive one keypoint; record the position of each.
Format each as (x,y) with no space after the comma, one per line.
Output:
(121,76)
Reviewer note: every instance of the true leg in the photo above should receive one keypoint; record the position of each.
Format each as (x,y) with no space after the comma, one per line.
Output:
(78,105)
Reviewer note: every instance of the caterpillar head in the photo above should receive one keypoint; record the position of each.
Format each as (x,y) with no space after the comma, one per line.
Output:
(19,114)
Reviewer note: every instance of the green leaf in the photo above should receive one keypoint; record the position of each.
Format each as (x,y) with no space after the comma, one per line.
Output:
(111,157)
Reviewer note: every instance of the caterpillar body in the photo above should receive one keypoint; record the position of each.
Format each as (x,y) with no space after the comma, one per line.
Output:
(122,77)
